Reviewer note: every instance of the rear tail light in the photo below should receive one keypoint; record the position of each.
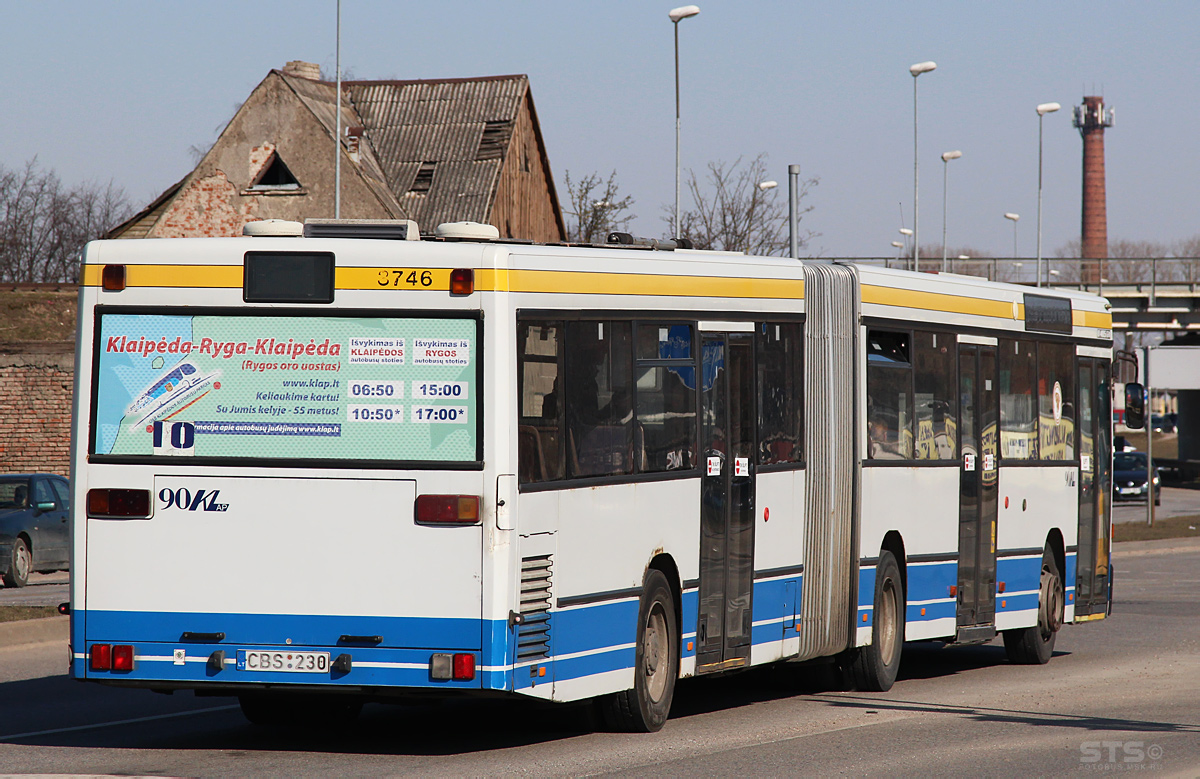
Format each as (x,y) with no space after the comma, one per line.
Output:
(118,503)
(464,667)
(112,278)
(101,657)
(462,281)
(448,509)
(122,657)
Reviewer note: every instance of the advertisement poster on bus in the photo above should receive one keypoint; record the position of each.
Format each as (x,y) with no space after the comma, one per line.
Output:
(280,387)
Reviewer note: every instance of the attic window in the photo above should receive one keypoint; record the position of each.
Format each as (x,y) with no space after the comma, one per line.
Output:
(423,181)
(491,143)
(275,177)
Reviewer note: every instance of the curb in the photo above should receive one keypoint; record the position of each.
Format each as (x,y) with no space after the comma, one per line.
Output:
(34,631)
(1156,546)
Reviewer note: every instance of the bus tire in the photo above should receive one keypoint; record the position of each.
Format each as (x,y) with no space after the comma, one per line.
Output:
(1035,645)
(20,563)
(875,666)
(645,708)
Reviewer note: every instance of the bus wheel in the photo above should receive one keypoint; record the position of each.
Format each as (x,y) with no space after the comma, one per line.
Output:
(875,666)
(645,708)
(301,712)
(20,563)
(1035,645)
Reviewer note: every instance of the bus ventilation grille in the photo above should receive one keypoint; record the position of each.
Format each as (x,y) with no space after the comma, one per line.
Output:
(533,632)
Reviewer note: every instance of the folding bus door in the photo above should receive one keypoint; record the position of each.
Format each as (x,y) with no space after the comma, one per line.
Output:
(979,473)
(1095,488)
(727,502)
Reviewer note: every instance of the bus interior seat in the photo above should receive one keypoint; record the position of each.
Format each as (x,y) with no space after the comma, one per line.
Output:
(531,457)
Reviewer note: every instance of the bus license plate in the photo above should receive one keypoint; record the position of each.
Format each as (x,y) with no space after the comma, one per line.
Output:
(295,662)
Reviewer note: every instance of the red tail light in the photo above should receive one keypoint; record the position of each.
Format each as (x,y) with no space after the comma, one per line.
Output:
(462,281)
(448,509)
(122,657)
(101,657)
(118,503)
(464,667)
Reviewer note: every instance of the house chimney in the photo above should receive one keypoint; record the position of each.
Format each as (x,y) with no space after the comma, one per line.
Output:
(302,69)
(1090,119)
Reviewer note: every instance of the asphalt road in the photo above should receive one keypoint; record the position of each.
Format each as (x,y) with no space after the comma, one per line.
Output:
(1119,695)
(1175,502)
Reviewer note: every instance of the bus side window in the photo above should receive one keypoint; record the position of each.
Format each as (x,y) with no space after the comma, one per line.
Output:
(539,438)
(1018,422)
(889,396)
(1056,400)
(780,369)
(598,397)
(935,403)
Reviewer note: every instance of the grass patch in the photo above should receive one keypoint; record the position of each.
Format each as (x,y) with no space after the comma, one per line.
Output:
(36,316)
(1175,527)
(17,613)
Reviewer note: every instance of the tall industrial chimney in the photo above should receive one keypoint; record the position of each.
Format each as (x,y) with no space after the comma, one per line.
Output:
(1091,118)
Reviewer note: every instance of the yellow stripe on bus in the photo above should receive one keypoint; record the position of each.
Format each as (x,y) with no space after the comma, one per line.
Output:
(585,283)
(936,301)
(577,282)
(486,280)
(1100,319)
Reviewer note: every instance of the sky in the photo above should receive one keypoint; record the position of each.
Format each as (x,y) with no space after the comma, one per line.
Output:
(119,91)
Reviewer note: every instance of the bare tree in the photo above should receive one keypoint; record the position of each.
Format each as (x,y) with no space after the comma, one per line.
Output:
(598,208)
(44,225)
(733,213)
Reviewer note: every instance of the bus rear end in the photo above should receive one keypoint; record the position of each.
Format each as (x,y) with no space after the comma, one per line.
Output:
(278,468)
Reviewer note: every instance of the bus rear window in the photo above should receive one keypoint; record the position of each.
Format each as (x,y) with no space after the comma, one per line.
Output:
(380,389)
(288,277)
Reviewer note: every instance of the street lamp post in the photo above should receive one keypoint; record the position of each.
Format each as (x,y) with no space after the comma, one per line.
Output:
(793,220)
(337,133)
(950,155)
(1014,218)
(677,15)
(1042,110)
(917,70)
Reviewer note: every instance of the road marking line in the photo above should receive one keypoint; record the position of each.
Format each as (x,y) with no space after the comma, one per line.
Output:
(133,721)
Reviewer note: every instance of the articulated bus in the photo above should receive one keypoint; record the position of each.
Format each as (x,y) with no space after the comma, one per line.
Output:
(316,466)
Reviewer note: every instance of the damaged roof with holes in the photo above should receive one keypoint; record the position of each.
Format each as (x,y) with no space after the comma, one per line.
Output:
(437,150)
(440,143)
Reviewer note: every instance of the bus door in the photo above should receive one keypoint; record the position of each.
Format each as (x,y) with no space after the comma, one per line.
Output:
(978,488)
(726,502)
(1095,487)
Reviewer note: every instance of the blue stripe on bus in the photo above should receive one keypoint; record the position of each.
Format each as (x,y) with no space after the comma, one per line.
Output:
(585,641)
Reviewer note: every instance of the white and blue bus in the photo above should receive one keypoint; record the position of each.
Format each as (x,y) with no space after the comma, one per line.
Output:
(318,465)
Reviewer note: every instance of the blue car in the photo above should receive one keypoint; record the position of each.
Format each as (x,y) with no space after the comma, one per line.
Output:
(34,529)
(1129,478)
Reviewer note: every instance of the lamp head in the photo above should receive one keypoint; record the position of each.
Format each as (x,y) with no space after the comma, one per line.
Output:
(905,231)
(897,244)
(683,12)
(1013,217)
(921,67)
(765,185)
(951,155)
(1047,108)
